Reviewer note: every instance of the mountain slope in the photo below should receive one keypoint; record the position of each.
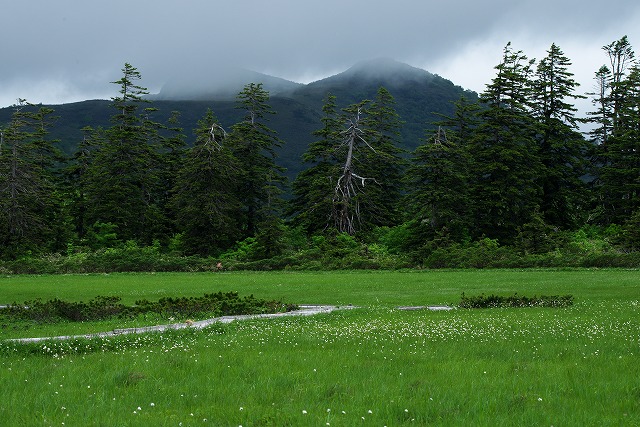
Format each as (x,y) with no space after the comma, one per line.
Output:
(419,95)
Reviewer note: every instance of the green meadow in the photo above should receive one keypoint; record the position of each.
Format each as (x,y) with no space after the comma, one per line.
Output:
(368,364)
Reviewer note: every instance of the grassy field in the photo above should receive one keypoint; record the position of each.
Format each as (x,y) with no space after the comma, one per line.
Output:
(371,365)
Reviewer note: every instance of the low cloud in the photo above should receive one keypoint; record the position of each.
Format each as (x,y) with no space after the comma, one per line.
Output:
(71,49)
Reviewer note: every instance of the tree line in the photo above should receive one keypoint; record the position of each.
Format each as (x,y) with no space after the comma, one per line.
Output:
(513,169)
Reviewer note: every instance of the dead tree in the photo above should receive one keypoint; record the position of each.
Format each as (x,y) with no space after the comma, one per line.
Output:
(440,137)
(213,140)
(346,207)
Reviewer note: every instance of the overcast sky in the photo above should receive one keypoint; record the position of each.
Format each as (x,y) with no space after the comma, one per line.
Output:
(69,50)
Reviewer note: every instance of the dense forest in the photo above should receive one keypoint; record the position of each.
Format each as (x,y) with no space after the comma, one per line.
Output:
(507,180)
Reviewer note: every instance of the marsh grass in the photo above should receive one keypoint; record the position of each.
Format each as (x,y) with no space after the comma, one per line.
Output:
(373,365)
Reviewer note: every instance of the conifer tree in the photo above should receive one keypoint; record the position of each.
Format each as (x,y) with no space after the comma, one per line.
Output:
(253,144)
(354,184)
(617,159)
(29,202)
(620,173)
(77,175)
(506,165)
(562,147)
(172,148)
(383,161)
(123,183)
(439,180)
(205,199)
(311,205)
(601,117)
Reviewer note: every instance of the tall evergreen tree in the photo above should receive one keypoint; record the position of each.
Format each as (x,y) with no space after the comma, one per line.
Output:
(617,159)
(383,161)
(311,205)
(620,173)
(29,202)
(354,183)
(621,57)
(601,117)
(253,144)
(172,147)
(76,176)
(123,182)
(439,180)
(506,186)
(562,147)
(205,198)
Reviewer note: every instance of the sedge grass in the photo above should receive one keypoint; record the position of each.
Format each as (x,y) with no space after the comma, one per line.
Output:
(359,288)
(373,365)
(369,366)
(380,288)
(335,287)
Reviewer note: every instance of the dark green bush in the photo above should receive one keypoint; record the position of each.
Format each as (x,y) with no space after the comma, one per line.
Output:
(103,308)
(497,301)
(588,247)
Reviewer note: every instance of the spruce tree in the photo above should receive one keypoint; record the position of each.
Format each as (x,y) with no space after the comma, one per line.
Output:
(311,205)
(205,199)
(77,180)
(562,147)
(620,173)
(261,179)
(616,160)
(354,184)
(439,179)
(506,188)
(383,161)
(123,183)
(172,148)
(29,201)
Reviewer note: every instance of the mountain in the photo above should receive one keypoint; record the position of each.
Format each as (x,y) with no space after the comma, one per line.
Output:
(420,96)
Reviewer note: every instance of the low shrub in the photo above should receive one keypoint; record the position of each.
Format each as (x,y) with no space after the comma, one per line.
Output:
(104,308)
(497,301)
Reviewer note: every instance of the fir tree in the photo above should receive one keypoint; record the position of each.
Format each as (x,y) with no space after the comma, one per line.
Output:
(617,162)
(439,184)
(311,204)
(29,200)
(383,162)
(506,164)
(253,144)
(123,184)
(205,199)
(562,147)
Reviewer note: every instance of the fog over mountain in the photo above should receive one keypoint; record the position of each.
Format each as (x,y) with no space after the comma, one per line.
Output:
(385,69)
(219,83)
(224,82)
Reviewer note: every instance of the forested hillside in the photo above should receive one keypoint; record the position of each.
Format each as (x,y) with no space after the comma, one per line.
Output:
(419,97)
(381,166)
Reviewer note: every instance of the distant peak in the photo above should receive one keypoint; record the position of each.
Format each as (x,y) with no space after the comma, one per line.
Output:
(382,62)
(387,69)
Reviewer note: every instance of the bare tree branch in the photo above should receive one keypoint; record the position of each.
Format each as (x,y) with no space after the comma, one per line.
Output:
(212,138)
(346,210)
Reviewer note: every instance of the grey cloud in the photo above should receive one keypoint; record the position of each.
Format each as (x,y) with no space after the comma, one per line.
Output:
(83,44)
